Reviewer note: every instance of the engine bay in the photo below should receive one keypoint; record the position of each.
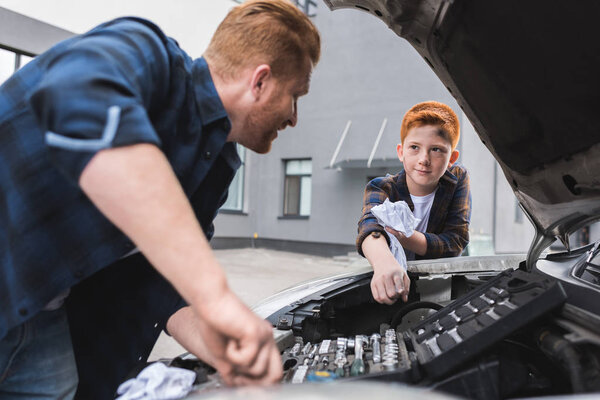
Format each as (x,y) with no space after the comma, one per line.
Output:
(515,333)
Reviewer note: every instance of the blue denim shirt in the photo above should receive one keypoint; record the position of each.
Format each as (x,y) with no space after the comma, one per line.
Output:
(122,83)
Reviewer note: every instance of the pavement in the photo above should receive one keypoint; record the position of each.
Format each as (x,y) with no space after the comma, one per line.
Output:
(254,274)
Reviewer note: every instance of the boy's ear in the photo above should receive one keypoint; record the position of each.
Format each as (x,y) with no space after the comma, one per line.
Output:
(259,80)
(453,158)
(399,151)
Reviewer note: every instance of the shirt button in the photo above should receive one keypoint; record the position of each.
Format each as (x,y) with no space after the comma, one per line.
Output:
(23,311)
(207,155)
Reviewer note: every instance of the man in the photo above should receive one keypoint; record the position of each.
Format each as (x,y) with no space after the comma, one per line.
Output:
(116,139)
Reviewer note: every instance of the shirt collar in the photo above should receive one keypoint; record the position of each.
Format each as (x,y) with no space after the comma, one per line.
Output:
(209,105)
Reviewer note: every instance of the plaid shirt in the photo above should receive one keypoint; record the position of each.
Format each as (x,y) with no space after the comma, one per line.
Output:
(448,227)
(122,83)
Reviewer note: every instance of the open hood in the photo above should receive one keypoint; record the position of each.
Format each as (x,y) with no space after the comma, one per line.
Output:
(526,74)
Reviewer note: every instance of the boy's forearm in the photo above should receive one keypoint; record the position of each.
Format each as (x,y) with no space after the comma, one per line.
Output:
(376,251)
(136,189)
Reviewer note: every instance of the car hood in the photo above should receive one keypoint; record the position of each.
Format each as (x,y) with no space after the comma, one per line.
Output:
(526,75)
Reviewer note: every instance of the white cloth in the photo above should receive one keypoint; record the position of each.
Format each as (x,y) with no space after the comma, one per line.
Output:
(398,217)
(158,382)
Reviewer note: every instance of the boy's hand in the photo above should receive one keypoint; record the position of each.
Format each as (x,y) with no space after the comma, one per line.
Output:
(399,235)
(417,243)
(390,282)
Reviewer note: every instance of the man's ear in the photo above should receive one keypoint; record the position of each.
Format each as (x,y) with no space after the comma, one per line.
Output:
(399,151)
(260,79)
(453,158)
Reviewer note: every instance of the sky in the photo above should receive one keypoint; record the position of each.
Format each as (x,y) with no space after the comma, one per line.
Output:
(190,22)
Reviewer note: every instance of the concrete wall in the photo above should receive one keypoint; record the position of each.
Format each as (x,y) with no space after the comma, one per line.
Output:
(510,236)
(190,22)
(27,35)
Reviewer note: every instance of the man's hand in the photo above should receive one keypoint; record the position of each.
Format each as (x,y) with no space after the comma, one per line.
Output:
(390,281)
(211,346)
(249,348)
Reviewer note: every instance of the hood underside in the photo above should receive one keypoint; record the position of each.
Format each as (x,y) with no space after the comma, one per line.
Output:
(526,75)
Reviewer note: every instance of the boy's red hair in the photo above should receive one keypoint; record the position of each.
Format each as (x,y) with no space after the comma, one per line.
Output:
(432,113)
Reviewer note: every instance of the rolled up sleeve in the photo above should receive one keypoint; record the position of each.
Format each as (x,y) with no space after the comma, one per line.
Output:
(96,94)
(376,192)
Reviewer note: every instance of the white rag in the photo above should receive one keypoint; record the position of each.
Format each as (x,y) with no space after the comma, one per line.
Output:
(399,217)
(158,382)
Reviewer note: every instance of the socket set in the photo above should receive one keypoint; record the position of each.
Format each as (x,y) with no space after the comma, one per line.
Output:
(353,357)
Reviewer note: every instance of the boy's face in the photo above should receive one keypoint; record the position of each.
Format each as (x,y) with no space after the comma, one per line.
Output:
(426,155)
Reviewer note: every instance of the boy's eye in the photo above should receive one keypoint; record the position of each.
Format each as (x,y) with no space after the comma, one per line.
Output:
(413,147)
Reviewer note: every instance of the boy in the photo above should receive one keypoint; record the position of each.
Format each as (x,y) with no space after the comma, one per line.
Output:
(436,191)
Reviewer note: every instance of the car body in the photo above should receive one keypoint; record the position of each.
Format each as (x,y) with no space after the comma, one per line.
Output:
(525,74)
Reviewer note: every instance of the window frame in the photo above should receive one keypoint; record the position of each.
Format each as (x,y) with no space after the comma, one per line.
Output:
(285,215)
(241,173)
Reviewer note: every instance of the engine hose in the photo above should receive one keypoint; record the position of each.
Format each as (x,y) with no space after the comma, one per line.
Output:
(558,348)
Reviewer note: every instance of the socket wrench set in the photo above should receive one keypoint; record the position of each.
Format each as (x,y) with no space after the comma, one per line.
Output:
(436,345)
(346,357)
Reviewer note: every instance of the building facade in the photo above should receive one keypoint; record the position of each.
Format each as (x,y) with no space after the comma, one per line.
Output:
(348,129)
(306,194)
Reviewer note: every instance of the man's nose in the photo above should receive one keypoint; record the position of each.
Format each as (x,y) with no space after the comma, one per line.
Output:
(293,120)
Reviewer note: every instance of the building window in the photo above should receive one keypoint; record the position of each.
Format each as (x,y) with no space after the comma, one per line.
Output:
(8,61)
(297,187)
(23,60)
(235,199)
(308,7)
(518,213)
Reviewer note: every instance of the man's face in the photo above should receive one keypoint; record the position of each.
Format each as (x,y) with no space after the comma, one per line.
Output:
(277,110)
(426,155)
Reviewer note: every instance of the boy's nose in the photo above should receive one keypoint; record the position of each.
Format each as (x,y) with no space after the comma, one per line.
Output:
(424,158)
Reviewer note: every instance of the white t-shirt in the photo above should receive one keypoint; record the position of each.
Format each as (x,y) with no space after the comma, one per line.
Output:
(422,210)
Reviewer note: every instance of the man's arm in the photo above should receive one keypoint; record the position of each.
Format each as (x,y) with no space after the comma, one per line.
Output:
(136,189)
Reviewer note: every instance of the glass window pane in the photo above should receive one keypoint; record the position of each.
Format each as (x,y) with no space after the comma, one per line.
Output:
(24,60)
(235,198)
(298,167)
(305,192)
(7,64)
(518,213)
(292,195)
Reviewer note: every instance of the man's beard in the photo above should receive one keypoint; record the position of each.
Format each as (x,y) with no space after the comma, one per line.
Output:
(260,128)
